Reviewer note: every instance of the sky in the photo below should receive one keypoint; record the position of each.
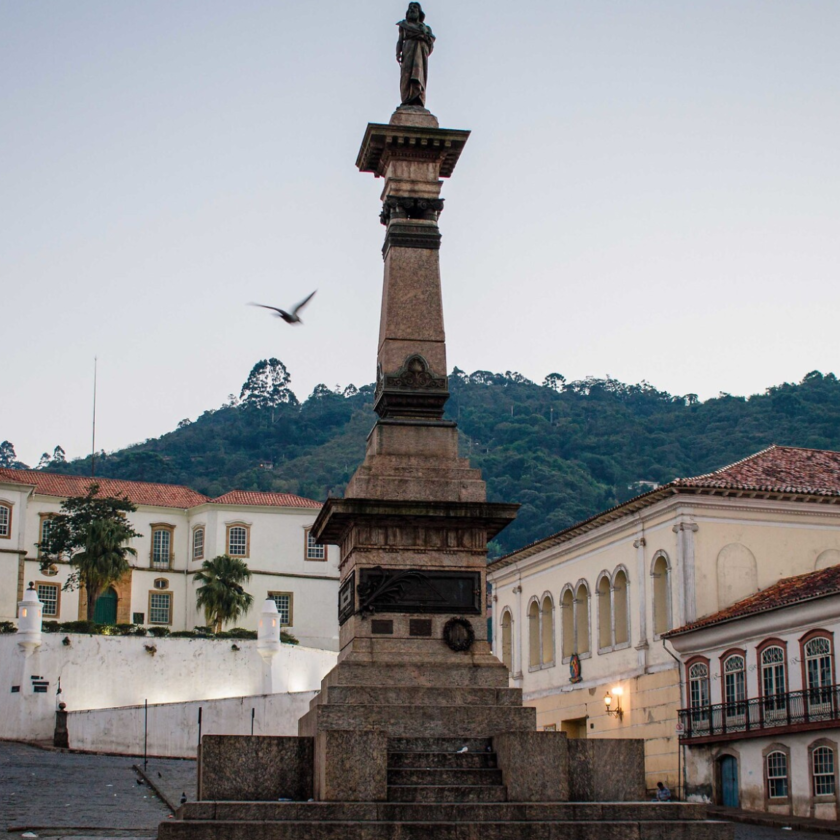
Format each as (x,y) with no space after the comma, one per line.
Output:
(650,192)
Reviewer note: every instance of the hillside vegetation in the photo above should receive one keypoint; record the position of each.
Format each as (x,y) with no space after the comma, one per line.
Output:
(564,450)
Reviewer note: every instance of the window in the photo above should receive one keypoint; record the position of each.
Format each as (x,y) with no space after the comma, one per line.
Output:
(198,543)
(162,546)
(777,775)
(138,618)
(160,608)
(773,681)
(238,540)
(604,613)
(50,571)
(822,765)
(314,551)
(622,614)
(534,635)
(284,601)
(161,583)
(734,685)
(582,618)
(698,690)
(661,573)
(507,640)
(48,595)
(5,520)
(818,672)
(547,631)
(567,610)
(46,525)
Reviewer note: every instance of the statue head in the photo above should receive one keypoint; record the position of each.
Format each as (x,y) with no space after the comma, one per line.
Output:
(415,12)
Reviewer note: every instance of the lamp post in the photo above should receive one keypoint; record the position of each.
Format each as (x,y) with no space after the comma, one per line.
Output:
(30,612)
(268,641)
(608,702)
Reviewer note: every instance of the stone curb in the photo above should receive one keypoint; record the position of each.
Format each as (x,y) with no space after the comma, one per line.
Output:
(757,818)
(163,798)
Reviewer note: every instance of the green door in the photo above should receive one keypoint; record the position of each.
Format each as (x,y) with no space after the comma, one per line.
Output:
(105,611)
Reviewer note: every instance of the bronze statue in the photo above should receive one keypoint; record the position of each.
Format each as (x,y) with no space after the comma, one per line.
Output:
(414,47)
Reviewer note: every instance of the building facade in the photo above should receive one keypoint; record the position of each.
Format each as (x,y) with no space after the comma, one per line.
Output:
(761,721)
(179,529)
(583,613)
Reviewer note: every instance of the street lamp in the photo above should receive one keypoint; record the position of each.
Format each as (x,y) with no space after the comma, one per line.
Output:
(608,702)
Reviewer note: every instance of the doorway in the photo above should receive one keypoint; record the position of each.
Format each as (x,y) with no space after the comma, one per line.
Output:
(105,610)
(728,769)
(574,728)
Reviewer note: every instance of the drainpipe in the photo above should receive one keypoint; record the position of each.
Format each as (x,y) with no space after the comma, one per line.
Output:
(680,747)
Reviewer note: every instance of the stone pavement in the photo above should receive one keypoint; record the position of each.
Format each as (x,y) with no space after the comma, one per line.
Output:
(776,824)
(58,794)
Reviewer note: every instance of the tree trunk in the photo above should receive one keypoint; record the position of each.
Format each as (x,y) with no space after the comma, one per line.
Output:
(92,595)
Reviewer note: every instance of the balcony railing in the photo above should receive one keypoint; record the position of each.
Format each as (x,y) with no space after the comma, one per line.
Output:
(808,708)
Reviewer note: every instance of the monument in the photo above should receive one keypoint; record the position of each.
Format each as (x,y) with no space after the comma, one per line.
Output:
(416,730)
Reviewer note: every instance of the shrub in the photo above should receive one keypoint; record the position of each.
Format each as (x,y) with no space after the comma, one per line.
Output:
(183,634)
(288,638)
(50,626)
(7,627)
(237,633)
(80,627)
(159,632)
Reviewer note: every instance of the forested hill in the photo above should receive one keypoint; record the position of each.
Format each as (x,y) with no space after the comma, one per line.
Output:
(564,450)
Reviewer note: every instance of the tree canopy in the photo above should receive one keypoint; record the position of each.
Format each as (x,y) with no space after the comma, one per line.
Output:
(563,449)
(221,594)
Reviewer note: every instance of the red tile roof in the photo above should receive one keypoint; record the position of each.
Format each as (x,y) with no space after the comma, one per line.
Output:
(786,592)
(146,493)
(779,469)
(138,492)
(786,470)
(253,497)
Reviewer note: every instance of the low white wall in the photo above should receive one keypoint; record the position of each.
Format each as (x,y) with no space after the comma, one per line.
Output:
(102,672)
(172,728)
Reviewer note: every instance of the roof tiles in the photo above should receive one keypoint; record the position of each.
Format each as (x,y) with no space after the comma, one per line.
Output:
(253,497)
(785,593)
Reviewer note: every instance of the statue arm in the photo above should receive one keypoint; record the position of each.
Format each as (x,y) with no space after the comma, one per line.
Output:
(400,45)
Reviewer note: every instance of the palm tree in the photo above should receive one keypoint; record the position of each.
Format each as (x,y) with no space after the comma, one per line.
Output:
(221,594)
(103,559)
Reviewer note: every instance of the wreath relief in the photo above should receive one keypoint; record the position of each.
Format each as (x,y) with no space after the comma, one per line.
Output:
(458,633)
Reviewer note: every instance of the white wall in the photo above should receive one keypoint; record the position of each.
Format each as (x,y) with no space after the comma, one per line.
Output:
(99,672)
(173,727)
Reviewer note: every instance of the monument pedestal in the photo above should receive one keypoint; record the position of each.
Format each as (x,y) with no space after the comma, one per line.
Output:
(416,732)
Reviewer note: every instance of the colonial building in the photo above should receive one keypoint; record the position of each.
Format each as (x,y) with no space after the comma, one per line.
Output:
(580,616)
(180,529)
(761,704)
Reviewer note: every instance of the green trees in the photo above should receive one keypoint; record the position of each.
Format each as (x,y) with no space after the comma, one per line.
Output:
(92,532)
(221,594)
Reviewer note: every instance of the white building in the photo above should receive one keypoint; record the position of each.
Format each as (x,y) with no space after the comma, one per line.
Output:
(180,528)
(584,612)
(761,716)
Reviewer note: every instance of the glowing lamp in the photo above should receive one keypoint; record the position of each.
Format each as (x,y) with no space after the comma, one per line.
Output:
(268,631)
(608,702)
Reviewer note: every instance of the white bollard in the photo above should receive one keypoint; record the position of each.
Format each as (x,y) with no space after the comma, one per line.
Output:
(30,612)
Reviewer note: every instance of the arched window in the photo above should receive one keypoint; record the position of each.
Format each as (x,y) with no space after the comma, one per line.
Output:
(661,574)
(773,682)
(198,543)
(507,640)
(822,771)
(818,672)
(699,696)
(604,612)
(534,635)
(734,685)
(582,618)
(567,609)
(238,540)
(620,610)
(547,631)
(162,554)
(777,775)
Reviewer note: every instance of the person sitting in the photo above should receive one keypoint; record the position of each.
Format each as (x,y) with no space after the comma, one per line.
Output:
(662,793)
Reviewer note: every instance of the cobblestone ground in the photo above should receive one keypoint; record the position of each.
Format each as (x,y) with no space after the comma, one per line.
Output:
(67,794)
(54,794)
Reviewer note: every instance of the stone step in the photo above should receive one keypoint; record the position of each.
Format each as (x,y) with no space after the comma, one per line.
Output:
(440,745)
(409,721)
(444,812)
(492,675)
(543,830)
(447,793)
(377,695)
(437,776)
(442,759)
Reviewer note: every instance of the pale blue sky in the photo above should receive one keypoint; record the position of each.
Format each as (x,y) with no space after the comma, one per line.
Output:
(650,191)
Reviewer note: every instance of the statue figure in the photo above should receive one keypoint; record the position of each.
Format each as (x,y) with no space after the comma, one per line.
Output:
(414,46)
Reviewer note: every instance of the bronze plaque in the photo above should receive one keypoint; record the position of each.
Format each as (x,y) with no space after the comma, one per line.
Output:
(382,627)
(420,627)
(419,591)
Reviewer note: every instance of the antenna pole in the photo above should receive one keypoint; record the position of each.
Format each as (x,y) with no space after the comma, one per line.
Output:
(93,430)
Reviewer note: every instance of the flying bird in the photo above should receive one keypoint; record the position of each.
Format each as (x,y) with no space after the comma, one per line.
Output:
(289,317)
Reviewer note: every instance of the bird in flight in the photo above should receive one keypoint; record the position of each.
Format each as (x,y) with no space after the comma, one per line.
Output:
(289,317)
